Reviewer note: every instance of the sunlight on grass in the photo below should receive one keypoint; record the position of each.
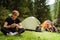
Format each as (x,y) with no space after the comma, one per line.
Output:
(48,36)
(30,35)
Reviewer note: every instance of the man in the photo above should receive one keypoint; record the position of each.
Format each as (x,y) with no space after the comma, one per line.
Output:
(12,25)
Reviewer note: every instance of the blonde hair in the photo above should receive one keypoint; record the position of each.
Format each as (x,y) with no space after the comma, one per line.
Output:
(15,12)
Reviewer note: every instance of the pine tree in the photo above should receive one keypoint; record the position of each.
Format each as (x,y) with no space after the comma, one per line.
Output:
(43,12)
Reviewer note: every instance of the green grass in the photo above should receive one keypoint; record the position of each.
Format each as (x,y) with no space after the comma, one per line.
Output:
(30,35)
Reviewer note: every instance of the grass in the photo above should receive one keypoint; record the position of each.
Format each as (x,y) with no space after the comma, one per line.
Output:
(30,35)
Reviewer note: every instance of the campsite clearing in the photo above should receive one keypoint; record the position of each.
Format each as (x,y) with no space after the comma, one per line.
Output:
(31,35)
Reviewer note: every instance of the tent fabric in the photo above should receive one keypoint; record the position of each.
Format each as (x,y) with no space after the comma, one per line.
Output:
(30,23)
(46,24)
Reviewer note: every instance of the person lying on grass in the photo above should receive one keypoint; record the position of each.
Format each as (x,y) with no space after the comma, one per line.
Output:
(12,25)
(48,26)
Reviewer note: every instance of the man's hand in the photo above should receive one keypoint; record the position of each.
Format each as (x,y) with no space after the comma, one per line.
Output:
(16,25)
(13,25)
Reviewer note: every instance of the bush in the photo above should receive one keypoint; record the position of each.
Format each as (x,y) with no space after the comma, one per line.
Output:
(56,22)
(3,14)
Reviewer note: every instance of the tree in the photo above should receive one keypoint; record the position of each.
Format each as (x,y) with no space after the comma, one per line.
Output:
(3,14)
(23,6)
(43,12)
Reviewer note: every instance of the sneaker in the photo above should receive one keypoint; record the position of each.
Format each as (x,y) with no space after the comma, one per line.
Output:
(13,33)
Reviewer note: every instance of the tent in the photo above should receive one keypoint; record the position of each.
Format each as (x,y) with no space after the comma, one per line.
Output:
(30,23)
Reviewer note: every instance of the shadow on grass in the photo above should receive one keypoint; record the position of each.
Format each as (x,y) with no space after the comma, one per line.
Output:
(1,34)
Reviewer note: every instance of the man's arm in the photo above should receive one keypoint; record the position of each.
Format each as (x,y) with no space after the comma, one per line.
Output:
(6,25)
(9,26)
(19,25)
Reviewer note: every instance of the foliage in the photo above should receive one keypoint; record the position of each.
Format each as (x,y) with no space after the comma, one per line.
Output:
(36,8)
(3,14)
(43,12)
(56,17)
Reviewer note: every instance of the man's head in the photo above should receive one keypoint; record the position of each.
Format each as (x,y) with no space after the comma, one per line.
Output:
(15,14)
